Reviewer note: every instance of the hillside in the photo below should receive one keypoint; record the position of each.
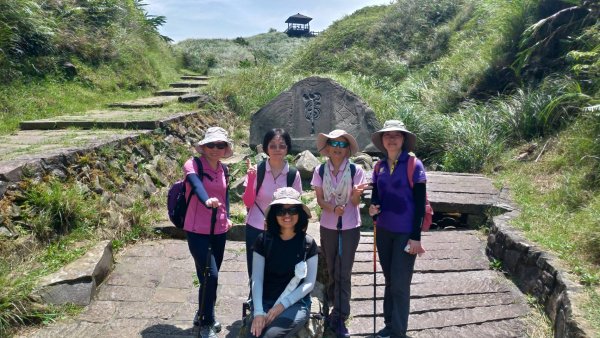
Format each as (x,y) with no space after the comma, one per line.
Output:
(215,56)
(60,57)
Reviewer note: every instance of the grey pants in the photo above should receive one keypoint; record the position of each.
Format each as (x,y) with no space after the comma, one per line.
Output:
(287,324)
(339,276)
(397,266)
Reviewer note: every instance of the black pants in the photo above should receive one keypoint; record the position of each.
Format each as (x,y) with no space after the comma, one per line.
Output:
(198,245)
(398,267)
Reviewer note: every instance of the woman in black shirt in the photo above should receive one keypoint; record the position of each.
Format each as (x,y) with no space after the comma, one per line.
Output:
(284,268)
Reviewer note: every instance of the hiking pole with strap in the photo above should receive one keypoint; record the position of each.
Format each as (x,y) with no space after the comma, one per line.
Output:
(339,231)
(205,275)
(375,275)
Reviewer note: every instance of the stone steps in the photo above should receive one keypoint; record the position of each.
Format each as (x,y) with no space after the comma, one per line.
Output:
(189,84)
(107,119)
(453,293)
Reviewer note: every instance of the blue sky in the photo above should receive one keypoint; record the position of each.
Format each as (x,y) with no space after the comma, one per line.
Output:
(232,18)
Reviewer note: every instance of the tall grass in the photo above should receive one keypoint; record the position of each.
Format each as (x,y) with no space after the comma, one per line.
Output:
(217,56)
(115,55)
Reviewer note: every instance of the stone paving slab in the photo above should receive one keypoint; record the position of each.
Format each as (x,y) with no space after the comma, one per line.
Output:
(189,84)
(25,146)
(453,293)
(117,119)
(174,92)
(464,193)
(151,294)
(147,102)
(195,77)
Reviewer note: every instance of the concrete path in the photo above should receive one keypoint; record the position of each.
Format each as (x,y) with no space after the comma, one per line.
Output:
(150,293)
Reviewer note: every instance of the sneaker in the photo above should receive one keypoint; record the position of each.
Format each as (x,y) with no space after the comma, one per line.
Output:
(386,332)
(207,331)
(216,325)
(342,331)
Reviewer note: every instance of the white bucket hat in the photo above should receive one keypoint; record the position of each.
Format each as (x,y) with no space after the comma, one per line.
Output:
(322,141)
(394,125)
(216,134)
(287,195)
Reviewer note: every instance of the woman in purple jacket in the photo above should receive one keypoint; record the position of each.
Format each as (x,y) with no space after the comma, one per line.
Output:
(400,211)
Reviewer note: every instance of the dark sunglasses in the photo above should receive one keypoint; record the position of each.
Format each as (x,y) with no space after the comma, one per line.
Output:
(293,211)
(218,145)
(338,144)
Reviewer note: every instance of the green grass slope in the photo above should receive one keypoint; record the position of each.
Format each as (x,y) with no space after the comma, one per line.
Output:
(61,57)
(219,55)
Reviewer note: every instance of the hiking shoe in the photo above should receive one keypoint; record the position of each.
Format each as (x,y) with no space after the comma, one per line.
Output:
(207,331)
(216,325)
(342,331)
(386,332)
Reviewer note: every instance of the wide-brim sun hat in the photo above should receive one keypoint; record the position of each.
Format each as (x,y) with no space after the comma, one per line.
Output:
(322,141)
(410,139)
(216,134)
(287,195)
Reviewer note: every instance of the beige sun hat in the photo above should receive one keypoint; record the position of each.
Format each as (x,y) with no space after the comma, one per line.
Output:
(322,141)
(287,195)
(216,134)
(394,125)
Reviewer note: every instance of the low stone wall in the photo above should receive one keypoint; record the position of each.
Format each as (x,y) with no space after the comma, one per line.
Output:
(537,273)
(118,172)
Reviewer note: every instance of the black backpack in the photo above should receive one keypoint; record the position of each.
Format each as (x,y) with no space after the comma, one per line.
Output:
(262,169)
(177,203)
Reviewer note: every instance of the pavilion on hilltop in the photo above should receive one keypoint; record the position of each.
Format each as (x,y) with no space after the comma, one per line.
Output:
(298,26)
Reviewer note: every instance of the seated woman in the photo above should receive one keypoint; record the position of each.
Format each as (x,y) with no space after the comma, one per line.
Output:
(284,268)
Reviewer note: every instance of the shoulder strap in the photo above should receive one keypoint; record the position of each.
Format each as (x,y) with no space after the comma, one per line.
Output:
(225,172)
(352,171)
(307,244)
(376,170)
(200,168)
(410,169)
(267,243)
(260,174)
(291,176)
(322,169)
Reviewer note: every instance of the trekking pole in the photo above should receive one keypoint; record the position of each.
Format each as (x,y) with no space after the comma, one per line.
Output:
(375,275)
(339,300)
(206,274)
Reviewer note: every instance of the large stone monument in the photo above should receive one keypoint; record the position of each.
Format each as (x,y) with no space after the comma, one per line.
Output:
(312,106)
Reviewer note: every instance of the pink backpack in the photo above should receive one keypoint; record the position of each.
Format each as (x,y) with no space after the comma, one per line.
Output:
(428,217)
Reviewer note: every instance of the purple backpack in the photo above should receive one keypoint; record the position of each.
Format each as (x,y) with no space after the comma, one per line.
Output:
(177,204)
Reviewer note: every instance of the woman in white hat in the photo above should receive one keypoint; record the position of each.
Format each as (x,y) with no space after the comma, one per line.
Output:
(338,185)
(400,211)
(284,268)
(206,178)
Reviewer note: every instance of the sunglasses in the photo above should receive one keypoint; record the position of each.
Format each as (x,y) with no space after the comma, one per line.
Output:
(293,211)
(338,144)
(218,145)
(278,146)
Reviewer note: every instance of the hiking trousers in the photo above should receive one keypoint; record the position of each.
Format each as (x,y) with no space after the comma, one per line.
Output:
(398,267)
(198,245)
(339,278)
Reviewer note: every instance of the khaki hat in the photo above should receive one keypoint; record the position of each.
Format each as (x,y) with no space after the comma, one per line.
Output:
(410,139)
(216,134)
(322,141)
(287,195)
